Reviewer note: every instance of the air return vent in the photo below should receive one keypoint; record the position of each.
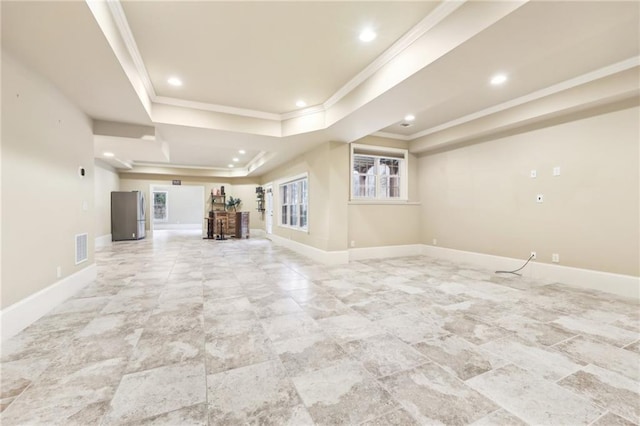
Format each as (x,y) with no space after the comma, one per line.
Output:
(82,249)
(406,124)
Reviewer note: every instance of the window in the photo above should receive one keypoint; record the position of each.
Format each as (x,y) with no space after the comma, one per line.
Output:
(294,196)
(160,211)
(378,173)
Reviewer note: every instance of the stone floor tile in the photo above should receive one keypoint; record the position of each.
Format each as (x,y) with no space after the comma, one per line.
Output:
(459,357)
(238,350)
(343,394)
(384,354)
(545,362)
(611,419)
(345,328)
(618,393)
(289,326)
(500,417)
(534,399)
(255,394)
(157,391)
(411,328)
(433,396)
(308,353)
(395,418)
(603,355)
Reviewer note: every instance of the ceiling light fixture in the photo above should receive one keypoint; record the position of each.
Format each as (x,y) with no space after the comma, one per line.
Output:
(242,151)
(236,159)
(409,117)
(301,104)
(498,79)
(108,154)
(230,165)
(367,35)
(174,81)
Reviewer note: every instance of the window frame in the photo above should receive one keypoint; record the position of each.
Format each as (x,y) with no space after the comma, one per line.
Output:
(166,206)
(288,183)
(380,152)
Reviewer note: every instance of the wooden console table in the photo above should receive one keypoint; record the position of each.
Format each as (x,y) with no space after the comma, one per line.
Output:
(222,224)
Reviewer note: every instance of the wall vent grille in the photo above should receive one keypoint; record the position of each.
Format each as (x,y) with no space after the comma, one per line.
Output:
(82,248)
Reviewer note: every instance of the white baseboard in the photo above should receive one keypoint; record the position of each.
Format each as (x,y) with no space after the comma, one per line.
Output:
(102,241)
(176,226)
(322,256)
(622,285)
(385,252)
(20,315)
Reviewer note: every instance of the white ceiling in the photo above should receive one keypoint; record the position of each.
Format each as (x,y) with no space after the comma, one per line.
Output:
(263,55)
(245,64)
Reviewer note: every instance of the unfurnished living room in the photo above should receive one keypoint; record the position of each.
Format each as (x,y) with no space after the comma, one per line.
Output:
(320,212)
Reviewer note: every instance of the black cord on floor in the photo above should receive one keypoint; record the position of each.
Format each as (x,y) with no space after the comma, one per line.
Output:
(515,271)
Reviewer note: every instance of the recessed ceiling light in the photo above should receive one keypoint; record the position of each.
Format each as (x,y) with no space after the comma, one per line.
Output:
(236,160)
(367,35)
(301,104)
(175,81)
(108,154)
(409,117)
(498,79)
(230,165)
(242,151)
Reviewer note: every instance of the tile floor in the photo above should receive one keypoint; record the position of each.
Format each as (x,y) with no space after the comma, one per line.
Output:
(181,331)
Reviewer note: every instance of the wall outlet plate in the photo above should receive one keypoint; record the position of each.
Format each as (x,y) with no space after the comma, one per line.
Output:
(533,255)
(539,198)
(555,258)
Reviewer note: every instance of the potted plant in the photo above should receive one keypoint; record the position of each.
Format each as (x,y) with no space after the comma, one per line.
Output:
(233,203)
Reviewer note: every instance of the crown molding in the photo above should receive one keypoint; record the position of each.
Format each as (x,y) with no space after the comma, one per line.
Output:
(427,23)
(542,93)
(302,112)
(117,12)
(204,106)
(421,28)
(390,135)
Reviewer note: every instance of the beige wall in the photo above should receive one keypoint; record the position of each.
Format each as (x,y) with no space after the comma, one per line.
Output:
(106,180)
(382,224)
(45,139)
(327,166)
(243,188)
(481,198)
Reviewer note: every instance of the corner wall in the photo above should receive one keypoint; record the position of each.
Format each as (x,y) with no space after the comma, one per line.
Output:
(327,166)
(106,181)
(45,202)
(482,198)
(382,224)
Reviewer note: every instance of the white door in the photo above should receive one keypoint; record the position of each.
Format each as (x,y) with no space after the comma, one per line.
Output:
(269,210)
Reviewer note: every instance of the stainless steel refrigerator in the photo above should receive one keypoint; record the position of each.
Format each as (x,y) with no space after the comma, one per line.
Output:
(127,215)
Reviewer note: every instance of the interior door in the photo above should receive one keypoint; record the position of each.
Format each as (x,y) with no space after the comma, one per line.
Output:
(269,210)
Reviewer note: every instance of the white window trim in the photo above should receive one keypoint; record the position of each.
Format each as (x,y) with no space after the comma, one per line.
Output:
(380,151)
(276,186)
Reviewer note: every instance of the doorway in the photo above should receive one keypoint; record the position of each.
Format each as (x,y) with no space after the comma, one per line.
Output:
(177,207)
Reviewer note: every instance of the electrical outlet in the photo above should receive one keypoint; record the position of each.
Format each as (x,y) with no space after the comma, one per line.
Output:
(353,243)
(539,198)
(555,258)
(435,242)
(59,272)
(533,255)
(556,171)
